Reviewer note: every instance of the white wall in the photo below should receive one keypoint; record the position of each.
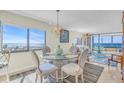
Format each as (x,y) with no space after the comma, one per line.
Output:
(7,17)
(72,35)
(23,61)
(53,40)
(20,62)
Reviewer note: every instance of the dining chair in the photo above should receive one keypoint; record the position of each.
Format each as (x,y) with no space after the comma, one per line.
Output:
(74,50)
(46,50)
(115,58)
(4,62)
(74,69)
(44,69)
(40,55)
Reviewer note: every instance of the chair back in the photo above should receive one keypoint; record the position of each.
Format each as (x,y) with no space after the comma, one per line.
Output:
(5,56)
(83,58)
(5,59)
(74,50)
(46,49)
(36,57)
(39,53)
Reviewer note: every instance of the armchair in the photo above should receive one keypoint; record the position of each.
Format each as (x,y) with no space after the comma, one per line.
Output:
(115,58)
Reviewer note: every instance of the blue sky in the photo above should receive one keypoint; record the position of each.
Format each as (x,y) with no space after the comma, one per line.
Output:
(14,34)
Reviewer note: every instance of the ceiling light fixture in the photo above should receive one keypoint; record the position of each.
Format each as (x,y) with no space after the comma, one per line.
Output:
(57,28)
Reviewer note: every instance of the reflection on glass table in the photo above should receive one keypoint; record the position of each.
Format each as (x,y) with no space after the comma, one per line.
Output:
(60,61)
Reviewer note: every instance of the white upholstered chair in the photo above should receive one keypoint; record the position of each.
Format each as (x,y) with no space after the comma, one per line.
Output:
(74,50)
(74,69)
(46,51)
(4,62)
(44,69)
(39,54)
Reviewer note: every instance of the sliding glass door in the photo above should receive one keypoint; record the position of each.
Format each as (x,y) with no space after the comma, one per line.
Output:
(107,42)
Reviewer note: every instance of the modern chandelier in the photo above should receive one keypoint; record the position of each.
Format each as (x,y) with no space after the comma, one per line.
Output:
(57,28)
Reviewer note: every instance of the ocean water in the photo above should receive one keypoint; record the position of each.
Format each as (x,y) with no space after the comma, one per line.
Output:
(22,45)
(108,45)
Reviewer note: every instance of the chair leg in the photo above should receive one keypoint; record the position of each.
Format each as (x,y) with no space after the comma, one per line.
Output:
(57,76)
(36,78)
(116,64)
(61,75)
(76,79)
(7,77)
(82,78)
(41,77)
(23,78)
(108,65)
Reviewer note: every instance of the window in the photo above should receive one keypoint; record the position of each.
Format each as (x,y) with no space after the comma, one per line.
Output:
(95,42)
(22,39)
(95,37)
(101,39)
(77,41)
(14,38)
(107,39)
(117,39)
(37,39)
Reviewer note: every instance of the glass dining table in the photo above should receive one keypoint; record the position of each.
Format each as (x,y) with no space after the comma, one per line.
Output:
(60,60)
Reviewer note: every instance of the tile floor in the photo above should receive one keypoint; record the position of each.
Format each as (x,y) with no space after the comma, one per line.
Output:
(113,75)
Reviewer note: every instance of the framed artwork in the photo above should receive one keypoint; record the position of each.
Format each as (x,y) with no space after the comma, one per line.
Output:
(64,37)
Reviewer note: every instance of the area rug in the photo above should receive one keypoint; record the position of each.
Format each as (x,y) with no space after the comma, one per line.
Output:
(91,74)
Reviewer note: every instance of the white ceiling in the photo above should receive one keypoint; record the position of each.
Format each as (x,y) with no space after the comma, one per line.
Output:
(86,21)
